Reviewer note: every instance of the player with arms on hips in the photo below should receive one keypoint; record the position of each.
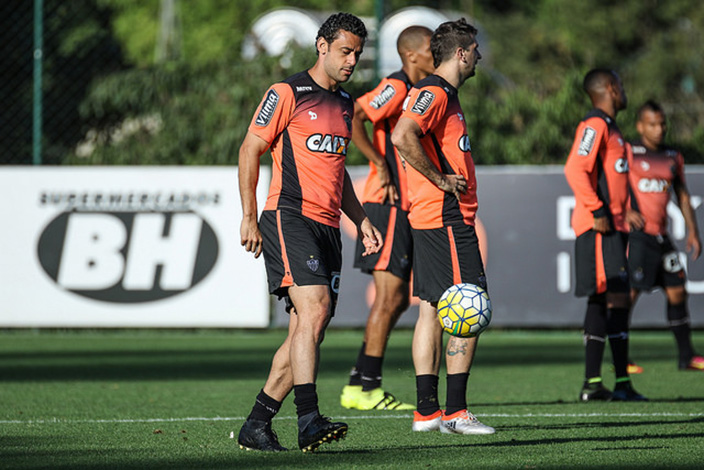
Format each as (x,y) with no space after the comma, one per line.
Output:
(431,136)
(597,172)
(306,121)
(385,201)
(654,170)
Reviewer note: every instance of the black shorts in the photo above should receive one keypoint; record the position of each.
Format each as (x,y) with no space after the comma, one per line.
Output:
(600,263)
(444,257)
(396,255)
(300,251)
(654,261)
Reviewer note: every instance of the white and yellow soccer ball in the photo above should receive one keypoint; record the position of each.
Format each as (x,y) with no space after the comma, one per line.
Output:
(464,310)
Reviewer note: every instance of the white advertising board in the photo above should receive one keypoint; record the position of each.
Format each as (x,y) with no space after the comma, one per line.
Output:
(127,247)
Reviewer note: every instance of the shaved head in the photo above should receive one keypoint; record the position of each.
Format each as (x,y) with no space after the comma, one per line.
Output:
(605,89)
(412,39)
(596,81)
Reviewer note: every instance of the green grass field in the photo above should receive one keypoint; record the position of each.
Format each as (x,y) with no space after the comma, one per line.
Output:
(170,399)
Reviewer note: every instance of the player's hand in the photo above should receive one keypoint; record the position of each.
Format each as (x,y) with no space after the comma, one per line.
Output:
(635,219)
(390,193)
(455,184)
(371,237)
(694,245)
(251,237)
(601,224)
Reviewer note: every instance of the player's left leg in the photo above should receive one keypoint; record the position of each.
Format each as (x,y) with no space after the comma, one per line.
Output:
(617,305)
(678,321)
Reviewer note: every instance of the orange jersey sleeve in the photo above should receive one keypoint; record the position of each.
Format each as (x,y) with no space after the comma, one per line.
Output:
(433,104)
(596,170)
(383,106)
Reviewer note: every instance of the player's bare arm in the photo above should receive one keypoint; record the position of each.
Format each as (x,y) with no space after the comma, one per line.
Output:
(406,138)
(364,144)
(370,235)
(250,152)
(694,243)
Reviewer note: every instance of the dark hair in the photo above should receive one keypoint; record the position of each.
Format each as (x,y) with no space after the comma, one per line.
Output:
(330,29)
(448,37)
(649,105)
(598,78)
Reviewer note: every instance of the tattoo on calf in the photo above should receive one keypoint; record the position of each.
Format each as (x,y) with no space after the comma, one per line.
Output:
(456,346)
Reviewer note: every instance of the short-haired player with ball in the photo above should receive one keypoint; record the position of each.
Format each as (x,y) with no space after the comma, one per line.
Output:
(431,136)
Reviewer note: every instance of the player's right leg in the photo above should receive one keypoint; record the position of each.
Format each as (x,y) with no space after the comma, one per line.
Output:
(427,351)
(256,432)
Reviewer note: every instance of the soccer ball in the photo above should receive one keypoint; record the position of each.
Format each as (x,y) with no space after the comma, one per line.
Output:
(464,310)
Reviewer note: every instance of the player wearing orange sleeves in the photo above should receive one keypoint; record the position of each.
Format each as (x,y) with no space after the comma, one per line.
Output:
(432,136)
(597,172)
(385,201)
(306,121)
(655,171)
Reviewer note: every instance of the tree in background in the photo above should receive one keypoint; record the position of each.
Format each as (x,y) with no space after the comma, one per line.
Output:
(195,108)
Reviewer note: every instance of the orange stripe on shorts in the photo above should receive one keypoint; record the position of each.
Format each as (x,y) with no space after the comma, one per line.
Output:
(456,276)
(287,281)
(600,269)
(385,256)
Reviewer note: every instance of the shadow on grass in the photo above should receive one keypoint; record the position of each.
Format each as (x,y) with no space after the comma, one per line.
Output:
(250,359)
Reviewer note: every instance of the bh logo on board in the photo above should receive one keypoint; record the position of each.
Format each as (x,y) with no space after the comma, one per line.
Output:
(127,248)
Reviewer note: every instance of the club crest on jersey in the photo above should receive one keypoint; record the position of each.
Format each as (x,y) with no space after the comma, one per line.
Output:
(268,108)
(384,97)
(588,138)
(348,120)
(423,102)
(464,144)
(327,143)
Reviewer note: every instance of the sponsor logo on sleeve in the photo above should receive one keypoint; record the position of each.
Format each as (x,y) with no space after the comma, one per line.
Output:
(587,143)
(464,144)
(383,97)
(423,102)
(268,107)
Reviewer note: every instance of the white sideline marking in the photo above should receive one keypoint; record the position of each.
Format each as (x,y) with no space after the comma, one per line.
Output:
(404,416)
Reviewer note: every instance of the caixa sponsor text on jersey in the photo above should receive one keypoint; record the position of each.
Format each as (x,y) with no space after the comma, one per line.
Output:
(129,201)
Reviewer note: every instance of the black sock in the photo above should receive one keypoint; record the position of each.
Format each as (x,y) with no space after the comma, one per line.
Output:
(678,320)
(264,407)
(356,372)
(456,393)
(594,338)
(617,328)
(306,399)
(427,394)
(371,373)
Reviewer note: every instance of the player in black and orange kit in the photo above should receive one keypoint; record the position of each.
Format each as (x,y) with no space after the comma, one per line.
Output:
(385,201)
(597,172)
(432,136)
(306,121)
(655,171)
